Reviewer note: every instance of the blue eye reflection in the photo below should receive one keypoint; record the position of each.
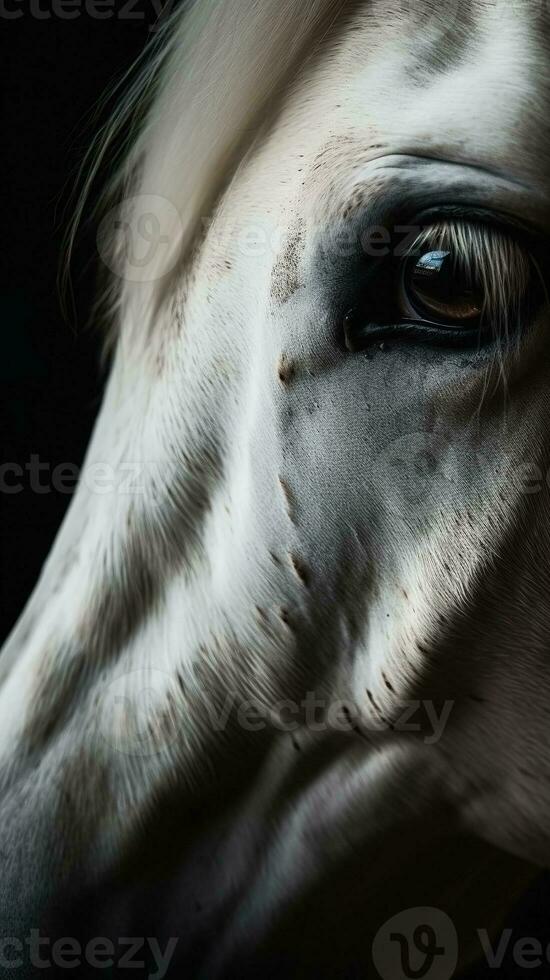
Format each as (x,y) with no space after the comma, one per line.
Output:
(440,288)
(431,262)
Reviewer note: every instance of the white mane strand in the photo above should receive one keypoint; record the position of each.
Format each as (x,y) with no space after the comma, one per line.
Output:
(231,60)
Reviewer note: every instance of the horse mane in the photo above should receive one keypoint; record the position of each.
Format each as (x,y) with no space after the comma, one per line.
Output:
(211,78)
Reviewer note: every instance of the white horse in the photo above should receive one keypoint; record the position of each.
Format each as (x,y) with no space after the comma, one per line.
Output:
(286,672)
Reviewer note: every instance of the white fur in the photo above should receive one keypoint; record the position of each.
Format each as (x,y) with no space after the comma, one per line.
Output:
(284,540)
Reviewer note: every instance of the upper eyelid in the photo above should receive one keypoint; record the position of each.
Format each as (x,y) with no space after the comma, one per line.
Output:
(466,185)
(505,222)
(403,188)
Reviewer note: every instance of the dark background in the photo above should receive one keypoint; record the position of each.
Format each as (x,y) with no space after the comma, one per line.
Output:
(54,71)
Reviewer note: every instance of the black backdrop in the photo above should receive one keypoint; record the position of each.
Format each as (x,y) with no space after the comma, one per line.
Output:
(54,70)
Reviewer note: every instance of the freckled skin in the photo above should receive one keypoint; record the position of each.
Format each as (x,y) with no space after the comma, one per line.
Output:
(285,279)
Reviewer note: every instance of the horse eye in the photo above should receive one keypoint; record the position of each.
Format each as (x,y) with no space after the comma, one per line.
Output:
(463,284)
(437,287)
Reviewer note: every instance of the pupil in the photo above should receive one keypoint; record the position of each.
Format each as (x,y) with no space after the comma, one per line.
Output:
(443,288)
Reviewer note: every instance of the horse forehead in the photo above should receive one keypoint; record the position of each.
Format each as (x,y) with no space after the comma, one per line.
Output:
(468,80)
(465,83)
(479,85)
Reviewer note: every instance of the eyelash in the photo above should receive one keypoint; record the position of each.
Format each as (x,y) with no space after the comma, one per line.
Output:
(490,252)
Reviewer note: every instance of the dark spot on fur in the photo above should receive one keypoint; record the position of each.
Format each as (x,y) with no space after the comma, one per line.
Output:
(371,699)
(284,616)
(300,569)
(287,494)
(387,683)
(354,727)
(377,709)
(285,370)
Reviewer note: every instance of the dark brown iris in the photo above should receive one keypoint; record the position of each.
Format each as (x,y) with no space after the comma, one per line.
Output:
(439,288)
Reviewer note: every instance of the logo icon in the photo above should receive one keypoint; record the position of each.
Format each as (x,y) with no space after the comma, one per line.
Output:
(416,944)
(138,238)
(413,467)
(137,715)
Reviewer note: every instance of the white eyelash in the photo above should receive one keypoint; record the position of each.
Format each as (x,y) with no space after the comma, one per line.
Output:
(499,266)
(495,261)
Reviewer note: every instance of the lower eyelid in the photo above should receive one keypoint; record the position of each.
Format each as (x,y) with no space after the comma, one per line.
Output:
(361,338)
